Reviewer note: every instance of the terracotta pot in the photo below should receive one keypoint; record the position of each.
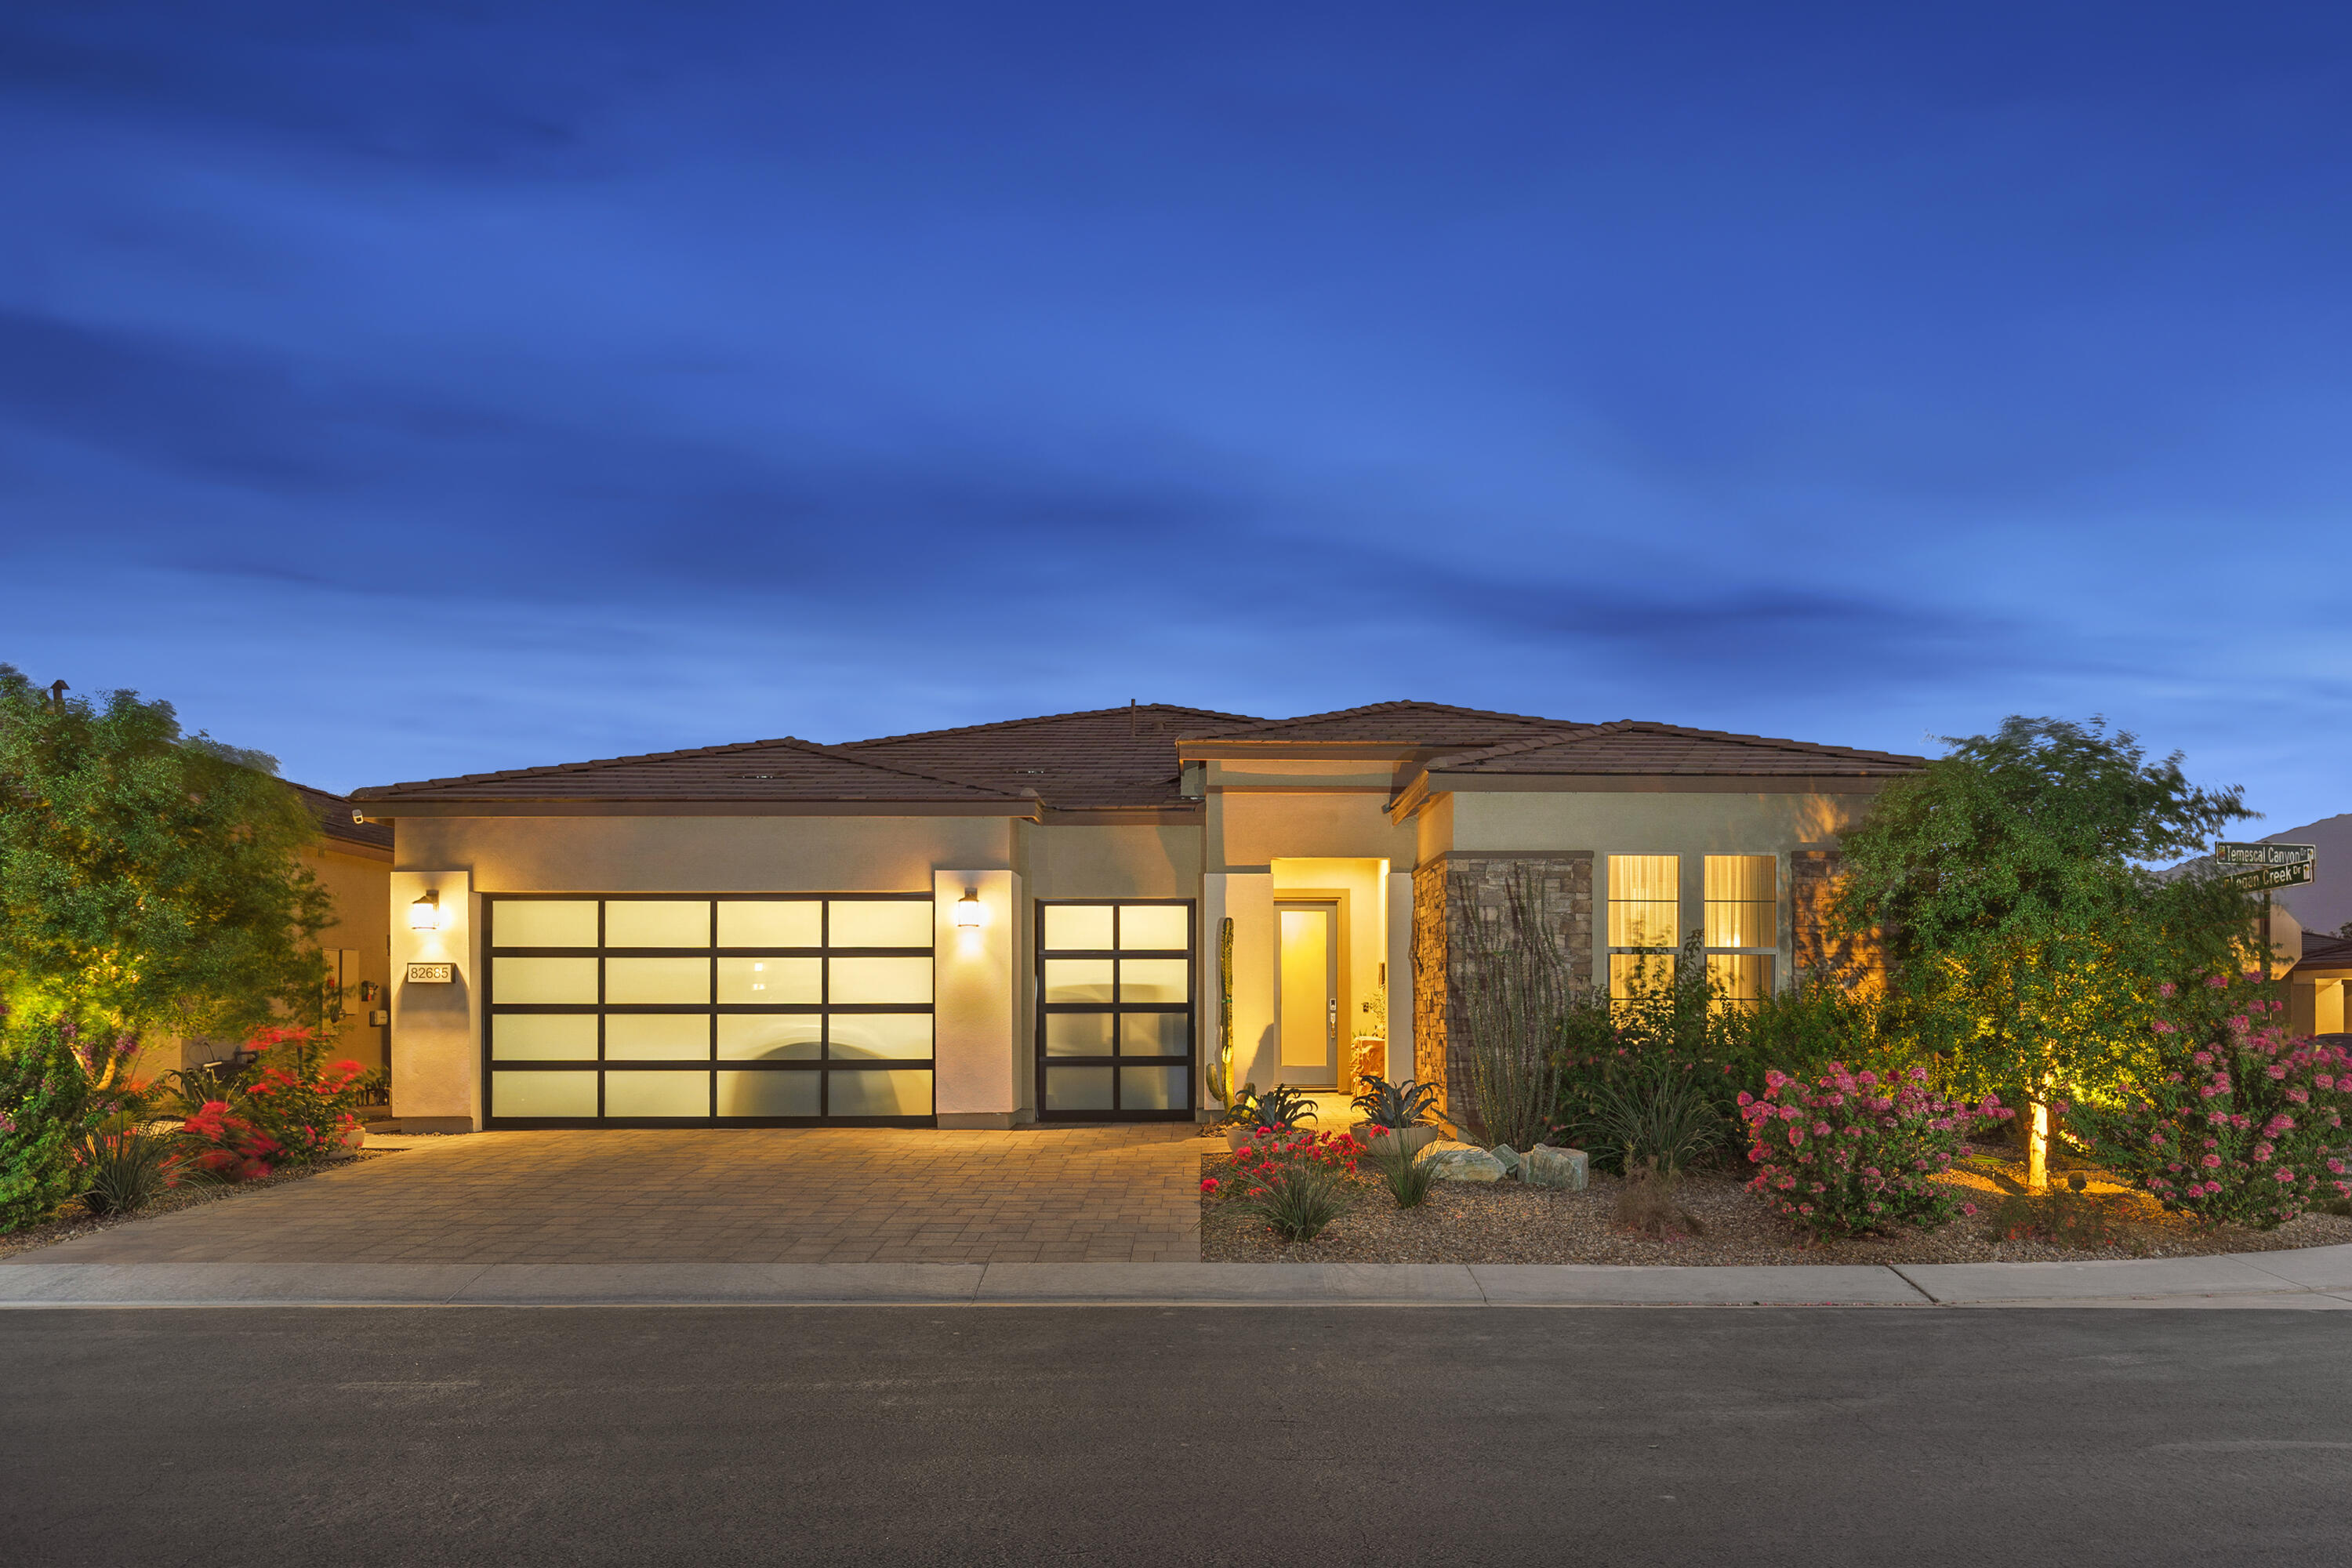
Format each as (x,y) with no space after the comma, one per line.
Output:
(1237,1136)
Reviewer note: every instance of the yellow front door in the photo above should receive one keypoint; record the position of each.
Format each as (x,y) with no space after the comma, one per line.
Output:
(1308,1002)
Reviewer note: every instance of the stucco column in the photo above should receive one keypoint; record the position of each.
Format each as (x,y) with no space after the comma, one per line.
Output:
(977,999)
(1399,962)
(436,1025)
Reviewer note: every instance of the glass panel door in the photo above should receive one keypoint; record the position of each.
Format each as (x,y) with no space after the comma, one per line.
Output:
(1116,1041)
(662,1010)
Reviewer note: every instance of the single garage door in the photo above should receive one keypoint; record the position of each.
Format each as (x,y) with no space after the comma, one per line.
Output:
(731,1010)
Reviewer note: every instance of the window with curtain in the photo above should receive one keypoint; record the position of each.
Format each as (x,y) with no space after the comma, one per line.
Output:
(1742,926)
(1644,920)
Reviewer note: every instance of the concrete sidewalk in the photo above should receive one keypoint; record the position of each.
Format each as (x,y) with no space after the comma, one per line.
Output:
(2314,1279)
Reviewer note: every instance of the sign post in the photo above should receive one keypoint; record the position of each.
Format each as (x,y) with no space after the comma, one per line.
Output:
(2260,867)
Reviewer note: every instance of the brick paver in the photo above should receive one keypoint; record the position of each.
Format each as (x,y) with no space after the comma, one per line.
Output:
(828,1194)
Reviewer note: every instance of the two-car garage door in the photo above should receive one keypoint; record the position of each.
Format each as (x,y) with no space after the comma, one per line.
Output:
(658,1010)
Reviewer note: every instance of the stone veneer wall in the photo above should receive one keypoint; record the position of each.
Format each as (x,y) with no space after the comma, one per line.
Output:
(1568,891)
(1812,885)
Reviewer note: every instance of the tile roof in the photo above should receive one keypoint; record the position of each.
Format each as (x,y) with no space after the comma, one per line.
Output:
(334,815)
(1638,746)
(1405,723)
(2321,951)
(785,769)
(1102,757)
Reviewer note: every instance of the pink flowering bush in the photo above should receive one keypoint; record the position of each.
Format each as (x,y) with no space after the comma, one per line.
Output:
(1855,1152)
(2236,1122)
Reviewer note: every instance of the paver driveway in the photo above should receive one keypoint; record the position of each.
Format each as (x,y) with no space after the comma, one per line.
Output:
(829,1194)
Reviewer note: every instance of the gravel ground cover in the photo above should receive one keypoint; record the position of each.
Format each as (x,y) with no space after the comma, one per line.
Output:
(73,1221)
(1462,1222)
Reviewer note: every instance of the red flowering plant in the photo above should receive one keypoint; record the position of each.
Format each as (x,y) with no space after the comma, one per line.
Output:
(229,1147)
(1253,1167)
(299,1099)
(296,1110)
(1855,1152)
(2234,1120)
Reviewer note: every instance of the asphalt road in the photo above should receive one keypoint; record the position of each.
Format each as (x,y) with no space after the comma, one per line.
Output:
(1190,1435)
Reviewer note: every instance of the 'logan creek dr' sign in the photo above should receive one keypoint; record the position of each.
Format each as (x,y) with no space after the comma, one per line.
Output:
(2259,867)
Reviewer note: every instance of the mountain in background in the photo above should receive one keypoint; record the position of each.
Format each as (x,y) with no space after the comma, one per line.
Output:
(2327,903)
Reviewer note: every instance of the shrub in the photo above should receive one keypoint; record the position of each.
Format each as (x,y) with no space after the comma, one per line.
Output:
(45,1106)
(1298,1201)
(1657,1118)
(2235,1122)
(229,1147)
(1647,1204)
(1851,1152)
(297,1100)
(1406,1176)
(129,1169)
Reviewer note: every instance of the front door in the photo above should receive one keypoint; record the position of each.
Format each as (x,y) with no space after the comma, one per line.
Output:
(1307,993)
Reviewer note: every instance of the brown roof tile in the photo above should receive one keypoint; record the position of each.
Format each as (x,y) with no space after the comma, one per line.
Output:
(334,815)
(1102,757)
(786,769)
(1405,723)
(1637,746)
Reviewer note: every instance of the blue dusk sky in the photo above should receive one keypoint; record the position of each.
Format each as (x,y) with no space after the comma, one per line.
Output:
(415,389)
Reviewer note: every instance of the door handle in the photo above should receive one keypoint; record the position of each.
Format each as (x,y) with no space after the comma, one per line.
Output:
(1331,1017)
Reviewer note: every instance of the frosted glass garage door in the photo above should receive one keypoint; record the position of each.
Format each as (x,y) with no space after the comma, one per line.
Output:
(648,1011)
(1115,1011)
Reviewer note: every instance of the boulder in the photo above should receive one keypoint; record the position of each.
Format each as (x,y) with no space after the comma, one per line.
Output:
(1544,1167)
(1505,1156)
(1464,1163)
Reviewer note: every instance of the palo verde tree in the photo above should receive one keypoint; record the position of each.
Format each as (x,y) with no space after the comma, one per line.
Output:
(149,881)
(2025,931)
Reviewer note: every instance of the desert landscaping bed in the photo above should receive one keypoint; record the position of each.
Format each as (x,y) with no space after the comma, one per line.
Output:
(1503,1222)
(73,1222)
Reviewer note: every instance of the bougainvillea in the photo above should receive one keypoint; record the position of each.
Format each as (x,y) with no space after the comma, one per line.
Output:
(302,1104)
(1855,1152)
(2237,1121)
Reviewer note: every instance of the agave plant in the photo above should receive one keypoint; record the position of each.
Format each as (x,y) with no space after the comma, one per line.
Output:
(1396,1106)
(1281,1106)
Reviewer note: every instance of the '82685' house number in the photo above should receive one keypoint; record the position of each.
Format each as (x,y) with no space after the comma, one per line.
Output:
(429,974)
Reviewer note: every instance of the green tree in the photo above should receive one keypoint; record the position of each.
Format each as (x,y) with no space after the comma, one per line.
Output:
(149,881)
(2025,931)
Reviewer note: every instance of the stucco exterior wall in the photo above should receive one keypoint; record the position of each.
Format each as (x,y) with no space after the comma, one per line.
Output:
(1690,823)
(360,885)
(703,854)
(1253,829)
(1087,860)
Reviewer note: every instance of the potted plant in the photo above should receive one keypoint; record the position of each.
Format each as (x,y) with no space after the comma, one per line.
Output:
(1279,1106)
(1406,1111)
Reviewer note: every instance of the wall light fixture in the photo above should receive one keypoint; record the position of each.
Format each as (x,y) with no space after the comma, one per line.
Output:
(425,914)
(969,911)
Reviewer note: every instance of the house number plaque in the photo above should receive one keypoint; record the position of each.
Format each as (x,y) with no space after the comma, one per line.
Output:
(429,975)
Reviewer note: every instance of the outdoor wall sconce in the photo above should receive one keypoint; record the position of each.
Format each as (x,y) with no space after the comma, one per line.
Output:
(425,914)
(969,912)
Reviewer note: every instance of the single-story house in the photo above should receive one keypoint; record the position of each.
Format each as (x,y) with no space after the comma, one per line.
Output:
(981,927)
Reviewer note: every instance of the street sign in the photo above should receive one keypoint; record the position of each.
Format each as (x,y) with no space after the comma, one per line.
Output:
(2236,856)
(2264,879)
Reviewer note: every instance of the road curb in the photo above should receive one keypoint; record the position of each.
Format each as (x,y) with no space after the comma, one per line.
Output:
(2317,1279)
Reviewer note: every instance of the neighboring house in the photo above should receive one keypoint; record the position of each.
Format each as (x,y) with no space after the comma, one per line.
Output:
(2314,986)
(353,861)
(983,926)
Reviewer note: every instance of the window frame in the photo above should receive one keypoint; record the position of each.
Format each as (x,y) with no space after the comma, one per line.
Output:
(1610,950)
(1771,954)
(824,1064)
